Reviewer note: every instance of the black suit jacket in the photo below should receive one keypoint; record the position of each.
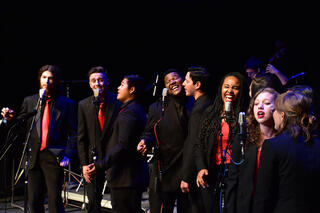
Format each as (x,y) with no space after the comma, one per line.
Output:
(62,133)
(171,132)
(288,177)
(124,164)
(90,137)
(189,171)
(240,181)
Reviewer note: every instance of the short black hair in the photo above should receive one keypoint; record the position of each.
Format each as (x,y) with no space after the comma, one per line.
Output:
(138,83)
(201,74)
(170,70)
(98,69)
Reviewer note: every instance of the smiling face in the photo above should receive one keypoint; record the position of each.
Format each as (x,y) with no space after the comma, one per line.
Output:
(230,89)
(98,81)
(263,108)
(173,82)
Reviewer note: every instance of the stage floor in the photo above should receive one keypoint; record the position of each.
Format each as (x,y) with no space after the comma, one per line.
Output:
(74,201)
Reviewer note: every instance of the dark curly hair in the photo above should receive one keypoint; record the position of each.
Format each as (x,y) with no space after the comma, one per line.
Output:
(211,123)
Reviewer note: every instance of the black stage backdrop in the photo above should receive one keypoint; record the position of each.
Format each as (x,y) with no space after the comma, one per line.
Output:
(146,37)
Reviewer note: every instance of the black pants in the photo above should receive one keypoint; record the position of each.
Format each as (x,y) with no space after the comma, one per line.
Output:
(126,200)
(47,173)
(195,197)
(94,192)
(164,202)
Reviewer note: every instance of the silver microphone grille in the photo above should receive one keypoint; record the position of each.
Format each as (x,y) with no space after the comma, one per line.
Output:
(96,92)
(164,91)
(228,106)
(242,118)
(42,93)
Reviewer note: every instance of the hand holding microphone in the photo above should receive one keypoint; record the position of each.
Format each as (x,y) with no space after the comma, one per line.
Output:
(7,114)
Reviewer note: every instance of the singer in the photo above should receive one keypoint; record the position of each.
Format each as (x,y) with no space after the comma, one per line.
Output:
(96,115)
(242,178)
(167,133)
(52,140)
(208,151)
(127,171)
(196,85)
(289,173)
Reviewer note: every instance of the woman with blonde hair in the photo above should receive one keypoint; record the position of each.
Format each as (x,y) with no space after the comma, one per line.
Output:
(244,167)
(289,170)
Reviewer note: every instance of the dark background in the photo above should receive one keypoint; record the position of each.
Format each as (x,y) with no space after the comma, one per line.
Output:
(145,37)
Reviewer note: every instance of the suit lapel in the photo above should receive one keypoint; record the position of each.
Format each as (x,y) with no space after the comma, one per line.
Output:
(38,116)
(54,116)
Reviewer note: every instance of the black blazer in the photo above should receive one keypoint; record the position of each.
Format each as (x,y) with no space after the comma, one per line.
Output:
(125,166)
(288,177)
(90,137)
(62,133)
(189,168)
(171,132)
(240,181)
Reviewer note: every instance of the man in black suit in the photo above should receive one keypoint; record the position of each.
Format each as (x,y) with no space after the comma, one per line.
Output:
(196,85)
(52,140)
(96,115)
(127,170)
(166,130)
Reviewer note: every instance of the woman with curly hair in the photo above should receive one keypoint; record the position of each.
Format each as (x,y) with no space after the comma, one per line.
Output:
(217,130)
(289,170)
(242,176)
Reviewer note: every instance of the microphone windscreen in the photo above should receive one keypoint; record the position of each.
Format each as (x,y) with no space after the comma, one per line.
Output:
(228,106)
(242,118)
(96,92)
(164,92)
(42,93)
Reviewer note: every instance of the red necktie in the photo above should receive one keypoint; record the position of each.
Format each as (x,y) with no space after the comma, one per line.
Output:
(45,125)
(101,115)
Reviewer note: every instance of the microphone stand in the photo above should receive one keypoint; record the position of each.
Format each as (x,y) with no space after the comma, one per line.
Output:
(25,154)
(157,155)
(224,169)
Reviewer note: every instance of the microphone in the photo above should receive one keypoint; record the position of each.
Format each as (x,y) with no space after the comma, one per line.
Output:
(3,121)
(155,85)
(96,94)
(242,130)
(164,95)
(42,93)
(228,111)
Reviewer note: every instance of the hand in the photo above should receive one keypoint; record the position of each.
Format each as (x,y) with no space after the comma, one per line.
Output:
(92,170)
(142,148)
(271,69)
(8,114)
(85,172)
(184,186)
(200,178)
(64,162)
